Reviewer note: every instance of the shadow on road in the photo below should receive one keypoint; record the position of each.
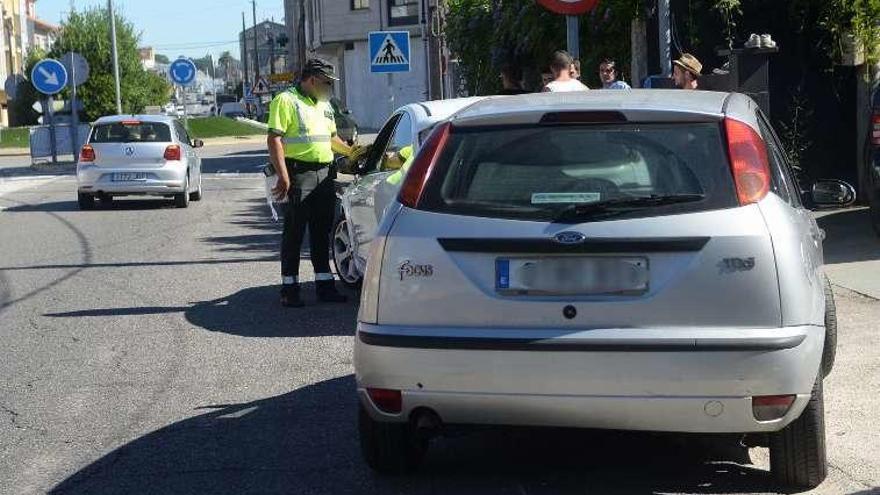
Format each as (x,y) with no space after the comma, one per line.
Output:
(849,236)
(305,442)
(251,312)
(116,204)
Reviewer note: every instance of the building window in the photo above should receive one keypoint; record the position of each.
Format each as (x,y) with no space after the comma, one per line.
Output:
(403,12)
(360,4)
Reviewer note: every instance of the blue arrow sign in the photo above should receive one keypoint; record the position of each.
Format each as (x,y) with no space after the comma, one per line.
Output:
(389,51)
(49,76)
(183,71)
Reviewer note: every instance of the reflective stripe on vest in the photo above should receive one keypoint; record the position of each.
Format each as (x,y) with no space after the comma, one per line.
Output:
(323,138)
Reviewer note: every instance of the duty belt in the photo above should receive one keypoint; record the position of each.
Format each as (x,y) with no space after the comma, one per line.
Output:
(298,167)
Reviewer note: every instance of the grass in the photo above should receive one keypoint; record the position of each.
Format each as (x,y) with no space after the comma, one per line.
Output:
(210,127)
(14,137)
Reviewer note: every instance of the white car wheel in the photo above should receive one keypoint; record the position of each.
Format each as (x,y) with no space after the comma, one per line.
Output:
(344,255)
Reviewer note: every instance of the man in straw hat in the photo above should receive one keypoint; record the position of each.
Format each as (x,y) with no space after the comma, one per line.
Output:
(686,72)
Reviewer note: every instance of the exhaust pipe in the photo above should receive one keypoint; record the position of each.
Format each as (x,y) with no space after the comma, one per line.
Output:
(425,422)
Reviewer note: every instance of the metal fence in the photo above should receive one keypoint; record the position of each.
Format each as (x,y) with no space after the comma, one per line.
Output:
(41,141)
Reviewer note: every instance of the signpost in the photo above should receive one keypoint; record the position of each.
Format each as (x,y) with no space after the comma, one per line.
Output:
(571,9)
(183,73)
(49,77)
(78,69)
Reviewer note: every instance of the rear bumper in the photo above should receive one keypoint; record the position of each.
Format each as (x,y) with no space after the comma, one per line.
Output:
(680,380)
(169,179)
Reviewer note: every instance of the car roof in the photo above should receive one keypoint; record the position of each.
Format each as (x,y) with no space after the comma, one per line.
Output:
(639,100)
(428,113)
(111,119)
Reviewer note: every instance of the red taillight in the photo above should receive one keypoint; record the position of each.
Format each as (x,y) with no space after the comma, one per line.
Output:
(875,129)
(420,170)
(87,154)
(172,152)
(390,401)
(748,161)
(770,407)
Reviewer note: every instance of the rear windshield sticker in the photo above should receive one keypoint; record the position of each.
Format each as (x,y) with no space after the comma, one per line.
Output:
(555,198)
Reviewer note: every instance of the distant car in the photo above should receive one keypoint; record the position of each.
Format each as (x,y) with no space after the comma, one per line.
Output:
(637,261)
(346,125)
(363,202)
(139,155)
(233,110)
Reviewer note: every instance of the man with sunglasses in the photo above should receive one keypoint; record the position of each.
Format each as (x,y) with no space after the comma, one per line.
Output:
(302,140)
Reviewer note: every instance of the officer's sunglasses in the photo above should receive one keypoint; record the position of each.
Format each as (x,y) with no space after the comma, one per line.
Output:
(325,82)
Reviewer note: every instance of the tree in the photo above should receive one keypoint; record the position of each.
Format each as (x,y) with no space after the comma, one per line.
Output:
(162,59)
(88,33)
(22,106)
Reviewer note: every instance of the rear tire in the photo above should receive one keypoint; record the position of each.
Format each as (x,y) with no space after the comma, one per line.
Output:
(797,452)
(181,200)
(390,448)
(829,353)
(344,254)
(85,201)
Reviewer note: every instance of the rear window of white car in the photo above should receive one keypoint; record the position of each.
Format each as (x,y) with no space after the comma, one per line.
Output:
(539,172)
(131,132)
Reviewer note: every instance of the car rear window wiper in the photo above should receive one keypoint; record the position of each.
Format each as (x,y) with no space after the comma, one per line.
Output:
(586,209)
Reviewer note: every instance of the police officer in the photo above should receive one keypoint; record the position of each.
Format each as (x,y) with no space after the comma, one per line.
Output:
(302,139)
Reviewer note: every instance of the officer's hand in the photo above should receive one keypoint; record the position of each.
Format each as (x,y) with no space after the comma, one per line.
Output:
(282,186)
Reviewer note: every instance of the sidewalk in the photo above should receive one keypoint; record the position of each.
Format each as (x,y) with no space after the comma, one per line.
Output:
(852,250)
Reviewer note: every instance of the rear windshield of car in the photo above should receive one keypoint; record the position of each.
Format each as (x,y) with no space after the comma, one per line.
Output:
(540,172)
(131,132)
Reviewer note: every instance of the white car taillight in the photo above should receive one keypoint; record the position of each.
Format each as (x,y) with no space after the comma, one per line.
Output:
(420,171)
(748,161)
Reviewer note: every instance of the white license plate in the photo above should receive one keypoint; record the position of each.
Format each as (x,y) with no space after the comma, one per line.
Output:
(572,275)
(128,176)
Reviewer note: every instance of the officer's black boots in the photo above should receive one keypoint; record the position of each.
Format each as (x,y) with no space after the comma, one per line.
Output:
(327,292)
(290,296)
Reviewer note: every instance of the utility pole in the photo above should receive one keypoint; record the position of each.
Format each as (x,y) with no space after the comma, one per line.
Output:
(244,57)
(271,54)
(214,83)
(256,50)
(115,56)
(665,38)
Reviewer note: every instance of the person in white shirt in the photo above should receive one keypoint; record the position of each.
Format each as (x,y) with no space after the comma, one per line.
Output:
(562,81)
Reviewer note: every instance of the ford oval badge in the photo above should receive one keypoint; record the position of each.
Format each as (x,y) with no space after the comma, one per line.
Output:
(569,238)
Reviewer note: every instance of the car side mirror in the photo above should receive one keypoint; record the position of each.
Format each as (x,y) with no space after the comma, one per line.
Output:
(197,143)
(832,193)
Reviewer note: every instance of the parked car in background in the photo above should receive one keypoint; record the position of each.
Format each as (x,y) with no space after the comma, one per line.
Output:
(233,110)
(148,155)
(346,125)
(629,260)
(363,202)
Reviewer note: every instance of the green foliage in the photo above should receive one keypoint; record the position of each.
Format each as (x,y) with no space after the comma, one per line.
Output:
(162,59)
(729,10)
(88,33)
(795,130)
(203,64)
(209,127)
(22,106)
(860,19)
(15,137)
(487,34)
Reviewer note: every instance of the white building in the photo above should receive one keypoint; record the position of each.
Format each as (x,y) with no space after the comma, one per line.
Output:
(337,31)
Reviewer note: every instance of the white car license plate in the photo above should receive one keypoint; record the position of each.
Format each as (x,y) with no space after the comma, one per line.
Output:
(128,176)
(572,275)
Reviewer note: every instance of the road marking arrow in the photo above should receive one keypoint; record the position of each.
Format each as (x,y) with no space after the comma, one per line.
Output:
(51,77)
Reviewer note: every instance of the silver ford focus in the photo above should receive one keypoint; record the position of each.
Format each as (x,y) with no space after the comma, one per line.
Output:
(624,260)
(139,155)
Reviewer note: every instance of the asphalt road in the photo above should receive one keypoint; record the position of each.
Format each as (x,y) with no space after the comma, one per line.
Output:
(143,351)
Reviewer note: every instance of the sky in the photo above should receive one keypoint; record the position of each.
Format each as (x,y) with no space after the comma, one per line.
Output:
(191,28)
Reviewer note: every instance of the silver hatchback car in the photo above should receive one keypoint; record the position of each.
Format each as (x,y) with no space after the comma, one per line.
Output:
(620,260)
(139,155)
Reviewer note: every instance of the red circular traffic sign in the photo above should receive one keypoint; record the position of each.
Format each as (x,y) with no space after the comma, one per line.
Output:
(569,7)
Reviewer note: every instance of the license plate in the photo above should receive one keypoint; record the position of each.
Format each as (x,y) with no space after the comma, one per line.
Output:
(128,176)
(572,275)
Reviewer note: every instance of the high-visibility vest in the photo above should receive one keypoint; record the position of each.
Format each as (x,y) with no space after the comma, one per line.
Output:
(305,124)
(407,154)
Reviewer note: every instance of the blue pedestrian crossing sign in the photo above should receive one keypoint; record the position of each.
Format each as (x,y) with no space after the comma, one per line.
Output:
(49,76)
(183,71)
(389,51)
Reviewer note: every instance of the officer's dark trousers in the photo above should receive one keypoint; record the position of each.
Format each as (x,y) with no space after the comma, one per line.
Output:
(312,203)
